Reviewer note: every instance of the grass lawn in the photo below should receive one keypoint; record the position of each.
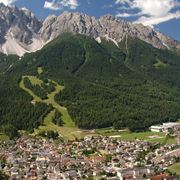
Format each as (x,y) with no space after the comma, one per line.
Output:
(130,136)
(109,131)
(3,137)
(171,141)
(147,136)
(175,168)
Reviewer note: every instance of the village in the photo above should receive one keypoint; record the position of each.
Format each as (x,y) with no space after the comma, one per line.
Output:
(94,157)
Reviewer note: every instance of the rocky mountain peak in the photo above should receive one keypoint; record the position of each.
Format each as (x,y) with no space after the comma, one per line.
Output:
(107,26)
(109,17)
(22,32)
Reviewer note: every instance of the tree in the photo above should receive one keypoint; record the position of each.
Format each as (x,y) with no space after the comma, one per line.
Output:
(10,131)
(3,176)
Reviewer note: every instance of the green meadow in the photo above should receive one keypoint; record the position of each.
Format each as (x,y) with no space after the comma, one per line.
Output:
(68,130)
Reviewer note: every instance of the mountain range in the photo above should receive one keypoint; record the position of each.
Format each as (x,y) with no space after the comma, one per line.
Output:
(22,32)
(113,72)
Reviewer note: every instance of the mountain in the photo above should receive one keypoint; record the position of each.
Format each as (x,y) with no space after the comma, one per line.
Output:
(19,30)
(133,85)
(114,73)
(107,26)
(22,32)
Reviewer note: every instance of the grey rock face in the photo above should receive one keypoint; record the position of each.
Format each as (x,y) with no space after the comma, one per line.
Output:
(21,31)
(105,26)
(18,28)
(21,23)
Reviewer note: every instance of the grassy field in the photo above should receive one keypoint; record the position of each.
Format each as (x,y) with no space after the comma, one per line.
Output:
(65,115)
(171,141)
(129,136)
(34,80)
(147,136)
(3,137)
(50,100)
(109,131)
(22,86)
(160,64)
(40,70)
(69,130)
(68,133)
(175,168)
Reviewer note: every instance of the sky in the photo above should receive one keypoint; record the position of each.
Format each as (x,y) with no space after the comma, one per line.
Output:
(162,15)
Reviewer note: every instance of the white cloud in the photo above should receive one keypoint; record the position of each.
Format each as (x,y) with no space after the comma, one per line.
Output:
(150,21)
(150,12)
(127,15)
(59,4)
(122,1)
(7,2)
(72,4)
(156,8)
(124,15)
(51,5)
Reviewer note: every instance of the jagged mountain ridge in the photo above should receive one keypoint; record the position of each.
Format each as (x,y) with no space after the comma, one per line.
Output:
(21,31)
(18,30)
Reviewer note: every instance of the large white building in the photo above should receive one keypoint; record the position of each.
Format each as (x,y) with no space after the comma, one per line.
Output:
(165,127)
(156,128)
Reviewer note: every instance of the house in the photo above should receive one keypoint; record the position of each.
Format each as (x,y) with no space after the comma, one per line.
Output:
(136,173)
(178,139)
(163,177)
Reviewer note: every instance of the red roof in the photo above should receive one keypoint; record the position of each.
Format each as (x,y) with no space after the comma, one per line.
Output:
(162,177)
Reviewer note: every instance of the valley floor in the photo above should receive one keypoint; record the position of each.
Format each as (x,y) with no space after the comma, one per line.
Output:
(148,136)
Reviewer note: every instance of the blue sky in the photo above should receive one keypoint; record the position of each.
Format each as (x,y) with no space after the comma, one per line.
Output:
(163,15)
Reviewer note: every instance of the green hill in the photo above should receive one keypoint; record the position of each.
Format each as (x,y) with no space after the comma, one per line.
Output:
(134,85)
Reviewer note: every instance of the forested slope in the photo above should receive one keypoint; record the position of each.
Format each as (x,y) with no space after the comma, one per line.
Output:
(134,85)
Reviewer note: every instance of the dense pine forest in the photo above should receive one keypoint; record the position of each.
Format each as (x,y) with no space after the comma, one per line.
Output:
(134,85)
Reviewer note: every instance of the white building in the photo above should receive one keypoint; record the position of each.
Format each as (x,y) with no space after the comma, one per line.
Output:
(170,125)
(156,128)
(137,173)
(165,127)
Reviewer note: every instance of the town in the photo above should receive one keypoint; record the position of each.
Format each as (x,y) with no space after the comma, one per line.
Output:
(93,157)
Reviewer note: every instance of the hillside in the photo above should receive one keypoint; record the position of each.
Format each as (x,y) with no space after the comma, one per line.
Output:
(134,85)
(6,62)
